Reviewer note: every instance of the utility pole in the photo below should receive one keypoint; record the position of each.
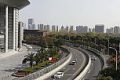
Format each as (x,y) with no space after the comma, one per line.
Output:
(108,46)
(119,48)
(116,56)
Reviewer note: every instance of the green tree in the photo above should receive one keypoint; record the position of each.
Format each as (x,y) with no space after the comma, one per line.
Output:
(105,78)
(30,58)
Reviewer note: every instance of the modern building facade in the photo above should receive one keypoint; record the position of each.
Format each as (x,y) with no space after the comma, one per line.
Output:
(53,28)
(81,29)
(35,33)
(116,29)
(9,17)
(47,27)
(31,24)
(99,28)
(110,30)
(71,29)
(40,27)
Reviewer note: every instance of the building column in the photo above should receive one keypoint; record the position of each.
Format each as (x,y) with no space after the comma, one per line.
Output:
(14,24)
(6,28)
(16,28)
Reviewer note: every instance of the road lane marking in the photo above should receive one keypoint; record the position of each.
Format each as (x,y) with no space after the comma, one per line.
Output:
(81,63)
(89,71)
(73,68)
(68,74)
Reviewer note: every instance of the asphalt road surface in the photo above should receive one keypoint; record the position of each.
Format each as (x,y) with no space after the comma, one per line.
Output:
(96,66)
(72,70)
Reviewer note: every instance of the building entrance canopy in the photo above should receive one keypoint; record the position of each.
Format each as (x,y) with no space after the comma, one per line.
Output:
(19,4)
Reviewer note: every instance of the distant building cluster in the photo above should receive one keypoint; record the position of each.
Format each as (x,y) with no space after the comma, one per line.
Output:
(31,24)
(98,28)
(81,29)
(115,30)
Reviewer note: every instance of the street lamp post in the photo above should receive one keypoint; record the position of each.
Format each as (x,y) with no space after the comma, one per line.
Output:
(108,46)
(116,55)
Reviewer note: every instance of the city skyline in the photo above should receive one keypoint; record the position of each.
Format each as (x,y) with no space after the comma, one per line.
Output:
(99,28)
(76,12)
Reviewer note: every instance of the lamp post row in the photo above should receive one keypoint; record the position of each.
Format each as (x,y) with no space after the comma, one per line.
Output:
(116,53)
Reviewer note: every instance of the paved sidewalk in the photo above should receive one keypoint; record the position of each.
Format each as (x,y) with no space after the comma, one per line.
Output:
(9,61)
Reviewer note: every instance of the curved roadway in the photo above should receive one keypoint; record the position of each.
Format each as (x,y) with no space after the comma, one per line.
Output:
(71,70)
(96,66)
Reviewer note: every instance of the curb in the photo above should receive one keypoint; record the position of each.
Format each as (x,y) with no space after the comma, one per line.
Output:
(85,70)
(47,75)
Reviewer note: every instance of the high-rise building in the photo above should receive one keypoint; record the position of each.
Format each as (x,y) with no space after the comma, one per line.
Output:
(71,29)
(31,24)
(116,29)
(67,29)
(93,29)
(81,29)
(9,12)
(57,29)
(110,30)
(85,29)
(62,29)
(31,21)
(99,28)
(53,28)
(40,27)
(90,30)
(47,27)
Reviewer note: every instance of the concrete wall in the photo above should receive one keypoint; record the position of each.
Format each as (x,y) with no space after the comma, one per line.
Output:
(9,27)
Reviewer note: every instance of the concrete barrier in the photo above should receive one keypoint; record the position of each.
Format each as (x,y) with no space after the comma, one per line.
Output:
(98,53)
(84,71)
(47,75)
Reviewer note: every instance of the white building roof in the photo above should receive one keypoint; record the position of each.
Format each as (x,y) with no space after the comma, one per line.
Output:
(19,4)
(1,36)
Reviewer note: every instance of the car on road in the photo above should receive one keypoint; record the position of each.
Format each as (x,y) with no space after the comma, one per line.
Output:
(93,58)
(73,62)
(59,75)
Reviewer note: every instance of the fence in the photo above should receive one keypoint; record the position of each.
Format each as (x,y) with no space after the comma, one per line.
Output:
(44,70)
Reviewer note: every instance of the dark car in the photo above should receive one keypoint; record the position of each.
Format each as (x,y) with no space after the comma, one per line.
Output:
(73,62)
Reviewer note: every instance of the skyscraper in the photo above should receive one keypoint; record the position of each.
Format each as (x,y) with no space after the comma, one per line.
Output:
(71,29)
(9,12)
(31,24)
(116,29)
(67,29)
(57,29)
(40,27)
(99,28)
(62,29)
(53,28)
(47,27)
(110,30)
(85,29)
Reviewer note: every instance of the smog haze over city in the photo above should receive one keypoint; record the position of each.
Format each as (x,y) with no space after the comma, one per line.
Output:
(74,12)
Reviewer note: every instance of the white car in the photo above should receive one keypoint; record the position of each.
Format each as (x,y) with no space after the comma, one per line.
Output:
(59,74)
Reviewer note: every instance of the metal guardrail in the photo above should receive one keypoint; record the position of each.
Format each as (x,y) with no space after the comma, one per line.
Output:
(43,71)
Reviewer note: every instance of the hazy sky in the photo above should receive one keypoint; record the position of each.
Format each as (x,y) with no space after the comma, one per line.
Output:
(73,12)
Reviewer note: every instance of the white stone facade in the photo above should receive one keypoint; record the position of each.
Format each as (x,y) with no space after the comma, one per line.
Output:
(9,18)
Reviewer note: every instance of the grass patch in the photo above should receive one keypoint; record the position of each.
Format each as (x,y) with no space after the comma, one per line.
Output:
(46,63)
(37,67)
